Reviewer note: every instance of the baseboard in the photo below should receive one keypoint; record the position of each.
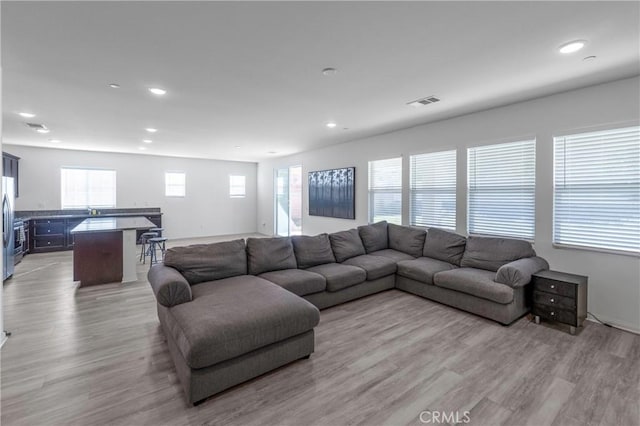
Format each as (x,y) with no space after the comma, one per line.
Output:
(615,324)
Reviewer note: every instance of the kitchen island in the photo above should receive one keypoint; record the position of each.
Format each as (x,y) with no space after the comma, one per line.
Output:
(104,249)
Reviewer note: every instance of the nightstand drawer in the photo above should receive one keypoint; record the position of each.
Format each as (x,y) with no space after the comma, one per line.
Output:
(554,300)
(561,315)
(555,287)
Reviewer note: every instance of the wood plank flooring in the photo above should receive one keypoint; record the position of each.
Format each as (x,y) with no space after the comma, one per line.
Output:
(96,355)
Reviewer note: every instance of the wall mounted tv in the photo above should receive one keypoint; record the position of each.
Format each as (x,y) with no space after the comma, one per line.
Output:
(332,193)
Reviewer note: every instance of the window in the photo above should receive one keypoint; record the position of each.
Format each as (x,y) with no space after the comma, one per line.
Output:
(433,190)
(385,190)
(237,186)
(83,188)
(175,184)
(501,193)
(597,190)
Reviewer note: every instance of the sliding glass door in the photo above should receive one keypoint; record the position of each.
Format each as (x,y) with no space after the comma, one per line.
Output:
(288,201)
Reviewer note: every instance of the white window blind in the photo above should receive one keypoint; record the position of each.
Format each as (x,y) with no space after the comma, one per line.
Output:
(83,188)
(597,190)
(175,184)
(237,186)
(433,190)
(385,190)
(501,193)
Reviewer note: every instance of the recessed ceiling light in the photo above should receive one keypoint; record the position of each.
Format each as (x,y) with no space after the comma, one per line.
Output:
(55,140)
(26,114)
(151,130)
(331,125)
(572,46)
(45,130)
(237,146)
(157,91)
(329,71)
(114,85)
(147,141)
(142,148)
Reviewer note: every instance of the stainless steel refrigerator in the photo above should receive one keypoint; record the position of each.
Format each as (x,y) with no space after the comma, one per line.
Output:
(8,237)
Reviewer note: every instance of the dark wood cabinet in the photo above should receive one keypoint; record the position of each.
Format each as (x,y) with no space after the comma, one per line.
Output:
(54,234)
(561,297)
(11,168)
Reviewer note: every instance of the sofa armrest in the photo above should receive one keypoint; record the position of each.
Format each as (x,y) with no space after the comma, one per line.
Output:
(518,273)
(169,286)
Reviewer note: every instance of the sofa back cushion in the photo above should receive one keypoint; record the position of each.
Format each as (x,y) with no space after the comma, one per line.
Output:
(406,239)
(491,253)
(208,262)
(312,251)
(374,237)
(346,244)
(270,254)
(444,245)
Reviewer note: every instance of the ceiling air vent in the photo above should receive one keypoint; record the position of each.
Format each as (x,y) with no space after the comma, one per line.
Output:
(40,128)
(424,101)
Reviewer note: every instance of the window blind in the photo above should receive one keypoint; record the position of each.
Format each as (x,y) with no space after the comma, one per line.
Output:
(433,190)
(237,186)
(597,190)
(175,184)
(83,188)
(385,190)
(501,189)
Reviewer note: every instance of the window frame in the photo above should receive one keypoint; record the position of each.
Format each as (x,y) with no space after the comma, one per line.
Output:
(371,217)
(573,133)
(232,185)
(89,205)
(167,185)
(532,191)
(413,190)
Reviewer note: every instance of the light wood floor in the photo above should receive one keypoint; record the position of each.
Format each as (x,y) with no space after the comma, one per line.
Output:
(97,356)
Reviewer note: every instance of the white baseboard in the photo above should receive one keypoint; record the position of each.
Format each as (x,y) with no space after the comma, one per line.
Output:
(613,323)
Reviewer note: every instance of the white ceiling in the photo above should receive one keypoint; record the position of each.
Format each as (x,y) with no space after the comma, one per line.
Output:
(248,74)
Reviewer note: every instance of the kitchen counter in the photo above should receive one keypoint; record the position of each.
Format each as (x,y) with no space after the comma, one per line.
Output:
(106,224)
(35,214)
(104,250)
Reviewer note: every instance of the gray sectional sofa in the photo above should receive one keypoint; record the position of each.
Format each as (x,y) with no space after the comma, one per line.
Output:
(234,310)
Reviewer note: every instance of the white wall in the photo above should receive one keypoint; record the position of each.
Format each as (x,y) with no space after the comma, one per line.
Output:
(614,280)
(206,210)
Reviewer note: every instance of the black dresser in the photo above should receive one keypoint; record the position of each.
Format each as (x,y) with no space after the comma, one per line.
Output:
(561,297)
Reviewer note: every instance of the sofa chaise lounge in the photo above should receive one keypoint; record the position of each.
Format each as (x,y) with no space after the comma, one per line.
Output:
(235,310)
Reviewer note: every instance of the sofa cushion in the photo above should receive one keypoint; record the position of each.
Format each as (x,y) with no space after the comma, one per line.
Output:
(312,251)
(270,254)
(422,269)
(233,316)
(340,276)
(406,239)
(346,244)
(207,262)
(476,282)
(375,266)
(392,254)
(444,245)
(491,253)
(374,237)
(298,281)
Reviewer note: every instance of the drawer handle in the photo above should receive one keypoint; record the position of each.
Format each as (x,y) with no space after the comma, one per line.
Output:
(553,286)
(553,314)
(48,230)
(552,300)
(48,242)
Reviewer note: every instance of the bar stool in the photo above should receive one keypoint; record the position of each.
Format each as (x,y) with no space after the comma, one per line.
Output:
(155,244)
(144,240)
(158,230)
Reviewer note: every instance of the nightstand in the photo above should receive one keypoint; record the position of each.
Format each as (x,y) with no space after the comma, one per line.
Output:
(561,297)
